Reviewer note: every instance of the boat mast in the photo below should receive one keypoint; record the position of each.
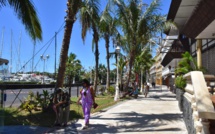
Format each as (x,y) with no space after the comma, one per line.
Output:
(18,65)
(33,57)
(11,53)
(55,55)
(2,43)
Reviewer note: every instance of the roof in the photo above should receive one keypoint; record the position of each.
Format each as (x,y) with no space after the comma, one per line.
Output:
(167,43)
(194,18)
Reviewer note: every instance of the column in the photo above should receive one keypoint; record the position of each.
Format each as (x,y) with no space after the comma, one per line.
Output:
(199,53)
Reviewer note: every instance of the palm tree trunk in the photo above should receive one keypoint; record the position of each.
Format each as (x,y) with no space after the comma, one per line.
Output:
(96,39)
(131,61)
(108,64)
(96,68)
(64,51)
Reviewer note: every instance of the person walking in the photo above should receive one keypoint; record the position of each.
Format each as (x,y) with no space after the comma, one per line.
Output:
(87,100)
(62,108)
(146,89)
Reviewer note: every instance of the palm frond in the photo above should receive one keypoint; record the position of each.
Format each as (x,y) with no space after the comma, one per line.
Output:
(169,25)
(152,9)
(2,3)
(26,12)
(89,16)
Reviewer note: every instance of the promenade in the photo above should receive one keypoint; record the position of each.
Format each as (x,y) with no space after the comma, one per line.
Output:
(156,114)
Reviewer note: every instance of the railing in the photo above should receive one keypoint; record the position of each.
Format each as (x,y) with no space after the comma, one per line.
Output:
(196,92)
(35,87)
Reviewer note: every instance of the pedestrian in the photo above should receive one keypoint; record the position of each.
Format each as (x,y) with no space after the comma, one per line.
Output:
(61,108)
(146,89)
(135,90)
(87,100)
(153,84)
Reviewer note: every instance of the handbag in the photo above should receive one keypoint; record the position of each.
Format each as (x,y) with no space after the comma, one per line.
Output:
(95,105)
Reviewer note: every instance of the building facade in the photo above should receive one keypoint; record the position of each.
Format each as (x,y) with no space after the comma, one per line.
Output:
(159,69)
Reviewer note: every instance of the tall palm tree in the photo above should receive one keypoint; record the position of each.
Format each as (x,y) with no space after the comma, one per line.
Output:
(90,21)
(121,65)
(144,61)
(107,29)
(73,7)
(102,72)
(26,12)
(137,22)
(73,66)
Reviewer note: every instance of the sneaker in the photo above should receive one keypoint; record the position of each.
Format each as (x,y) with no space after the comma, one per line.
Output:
(85,127)
(57,125)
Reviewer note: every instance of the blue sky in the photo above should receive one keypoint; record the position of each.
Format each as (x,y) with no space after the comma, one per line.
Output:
(51,14)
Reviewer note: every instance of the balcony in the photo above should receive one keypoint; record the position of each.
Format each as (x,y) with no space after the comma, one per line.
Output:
(167,71)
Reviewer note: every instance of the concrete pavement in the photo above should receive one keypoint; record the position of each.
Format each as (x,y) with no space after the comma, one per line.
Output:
(156,114)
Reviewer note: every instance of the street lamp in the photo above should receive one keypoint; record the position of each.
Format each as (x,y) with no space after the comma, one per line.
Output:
(117,75)
(44,58)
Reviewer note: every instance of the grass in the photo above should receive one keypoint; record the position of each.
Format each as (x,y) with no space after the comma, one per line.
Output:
(14,116)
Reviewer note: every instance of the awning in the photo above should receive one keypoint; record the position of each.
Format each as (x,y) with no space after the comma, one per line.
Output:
(202,16)
(176,50)
(192,18)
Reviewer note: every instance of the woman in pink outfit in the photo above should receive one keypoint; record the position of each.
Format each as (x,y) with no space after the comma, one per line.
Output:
(87,100)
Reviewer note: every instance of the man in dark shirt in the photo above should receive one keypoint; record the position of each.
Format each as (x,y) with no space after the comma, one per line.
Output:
(62,108)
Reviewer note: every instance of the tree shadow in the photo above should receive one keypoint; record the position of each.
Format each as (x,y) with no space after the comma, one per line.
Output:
(134,122)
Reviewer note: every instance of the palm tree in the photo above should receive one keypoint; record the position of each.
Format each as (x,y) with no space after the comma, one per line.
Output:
(137,25)
(102,72)
(73,8)
(87,74)
(107,29)
(143,62)
(73,66)
(90,20)
(121,65)
(26,12)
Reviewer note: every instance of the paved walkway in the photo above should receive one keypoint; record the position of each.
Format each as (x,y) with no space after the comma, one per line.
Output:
(156,114)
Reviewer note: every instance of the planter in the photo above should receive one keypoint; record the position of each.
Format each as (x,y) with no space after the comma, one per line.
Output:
(179,97)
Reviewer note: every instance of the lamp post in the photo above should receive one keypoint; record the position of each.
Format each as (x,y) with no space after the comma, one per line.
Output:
(44,58)
(117,76)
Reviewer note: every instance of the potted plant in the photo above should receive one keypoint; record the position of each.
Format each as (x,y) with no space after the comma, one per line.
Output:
(180,84)
(187,64)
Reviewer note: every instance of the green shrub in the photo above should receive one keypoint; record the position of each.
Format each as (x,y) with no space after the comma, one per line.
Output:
(37,101)
(180,82)
(111,90)
(185,65)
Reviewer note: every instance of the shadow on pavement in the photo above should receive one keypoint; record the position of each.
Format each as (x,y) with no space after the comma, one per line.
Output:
(134,122)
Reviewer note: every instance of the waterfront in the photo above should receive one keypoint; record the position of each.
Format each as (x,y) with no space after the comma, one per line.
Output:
(11,95)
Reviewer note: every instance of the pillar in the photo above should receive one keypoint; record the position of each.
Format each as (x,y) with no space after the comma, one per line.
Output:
(199,53)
